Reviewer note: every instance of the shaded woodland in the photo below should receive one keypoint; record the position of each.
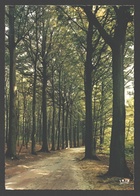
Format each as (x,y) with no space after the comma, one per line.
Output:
(69,81)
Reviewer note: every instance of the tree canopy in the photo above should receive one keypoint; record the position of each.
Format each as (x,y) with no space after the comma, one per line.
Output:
(69,79)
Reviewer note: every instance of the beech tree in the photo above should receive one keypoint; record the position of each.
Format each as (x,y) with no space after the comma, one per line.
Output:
(32,46)
(117,165)
(15,34)
(89,145)
(11,144)
(45,49)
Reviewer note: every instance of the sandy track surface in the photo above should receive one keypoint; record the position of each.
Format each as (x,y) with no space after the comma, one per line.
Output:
(60,171)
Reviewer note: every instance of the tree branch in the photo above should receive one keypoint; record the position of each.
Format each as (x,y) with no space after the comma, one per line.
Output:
(108,38)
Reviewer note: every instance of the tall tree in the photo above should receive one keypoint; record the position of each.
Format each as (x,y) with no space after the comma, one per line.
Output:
(17,30)
(59,110)
(31,44)
(89,150)
(44,60)
(117,165)
(11,145)
(54,111)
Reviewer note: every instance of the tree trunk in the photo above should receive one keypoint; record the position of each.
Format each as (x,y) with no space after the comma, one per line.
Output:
(95,120)
(18,121)
(71,128)
(45,128)
(40,127)
(34,60)
(83,133)
(59,112)
(66,124)
(24,115)
(44,112)
(11,145)
(78,129)
(53,116)
(117,165)
(89,150)
(74,135)
(7,116)
(63,123)
(33,113)
(101,117)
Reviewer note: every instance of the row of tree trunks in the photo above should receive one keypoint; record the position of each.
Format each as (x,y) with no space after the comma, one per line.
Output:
(117,44)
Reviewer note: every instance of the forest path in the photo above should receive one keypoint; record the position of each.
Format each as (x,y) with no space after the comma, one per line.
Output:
(60,171)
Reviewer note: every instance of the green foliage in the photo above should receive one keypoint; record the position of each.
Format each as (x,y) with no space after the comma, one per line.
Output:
(59,40)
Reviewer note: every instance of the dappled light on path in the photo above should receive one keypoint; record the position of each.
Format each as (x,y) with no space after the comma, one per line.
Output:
(62,170)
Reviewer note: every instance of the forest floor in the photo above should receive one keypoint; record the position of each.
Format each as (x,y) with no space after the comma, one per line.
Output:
(61,170)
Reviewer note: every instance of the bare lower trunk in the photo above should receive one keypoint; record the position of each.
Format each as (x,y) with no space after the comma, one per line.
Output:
(89,143)
(11,145)
(63,124)
(44,112)
(59,112)
(33,114)
(117,165)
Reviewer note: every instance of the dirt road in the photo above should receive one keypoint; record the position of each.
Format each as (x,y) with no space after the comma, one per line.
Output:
(59,171)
